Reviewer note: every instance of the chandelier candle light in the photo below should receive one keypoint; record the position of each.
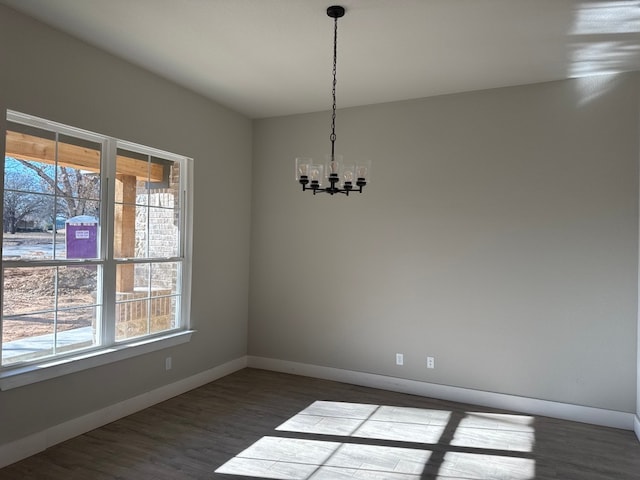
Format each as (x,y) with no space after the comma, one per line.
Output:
(341,177)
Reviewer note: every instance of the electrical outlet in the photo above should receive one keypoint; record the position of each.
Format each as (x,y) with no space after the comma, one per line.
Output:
(431,362)
(167,363)
(399,359)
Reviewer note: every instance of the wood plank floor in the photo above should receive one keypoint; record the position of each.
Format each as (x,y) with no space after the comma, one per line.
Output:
(259,424)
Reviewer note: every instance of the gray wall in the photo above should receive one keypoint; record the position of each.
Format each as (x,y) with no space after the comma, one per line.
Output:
(48,74)
(499,235)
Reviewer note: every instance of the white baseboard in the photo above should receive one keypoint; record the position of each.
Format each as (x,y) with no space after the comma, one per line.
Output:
(636,425)
(32,444)
(565,411)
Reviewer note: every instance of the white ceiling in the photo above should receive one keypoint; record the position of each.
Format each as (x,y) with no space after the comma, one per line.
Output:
(273,57)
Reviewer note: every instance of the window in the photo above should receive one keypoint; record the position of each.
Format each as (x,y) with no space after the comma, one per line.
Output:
(94,251)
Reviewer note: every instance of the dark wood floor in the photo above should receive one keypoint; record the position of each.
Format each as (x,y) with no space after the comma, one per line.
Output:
(193,435)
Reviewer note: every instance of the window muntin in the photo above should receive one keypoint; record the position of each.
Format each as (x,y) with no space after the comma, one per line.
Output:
(142,279)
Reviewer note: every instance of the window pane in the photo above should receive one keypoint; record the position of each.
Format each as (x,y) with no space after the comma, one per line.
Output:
(164,277)
(130,163)
(172,307)
(141,281)
(78,168)
(28,151)
(147,218)
(132,316)
(31,236)
(25,210)
(78,184)
(145,303)
(21,175)
(81,237)
(70,207)
(125,241)
(77,286)
(136,316)
(76,328)
(174,182)
(132,294)
(163,232)
(28,290)
(132,277)
(27,337)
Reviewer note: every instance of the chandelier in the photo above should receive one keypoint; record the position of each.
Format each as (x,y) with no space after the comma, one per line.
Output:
(334,176)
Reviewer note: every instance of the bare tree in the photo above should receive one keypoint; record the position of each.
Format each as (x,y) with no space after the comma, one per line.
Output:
(77,191)
(20,201)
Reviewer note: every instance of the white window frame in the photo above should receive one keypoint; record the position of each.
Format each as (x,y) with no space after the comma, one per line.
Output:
(109,350)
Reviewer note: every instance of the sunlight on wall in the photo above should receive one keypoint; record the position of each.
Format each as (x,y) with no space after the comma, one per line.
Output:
(601,57)
(607,17)
(606,37)
(388,443)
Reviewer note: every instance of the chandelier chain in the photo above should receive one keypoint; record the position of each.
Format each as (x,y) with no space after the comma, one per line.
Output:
(332,137)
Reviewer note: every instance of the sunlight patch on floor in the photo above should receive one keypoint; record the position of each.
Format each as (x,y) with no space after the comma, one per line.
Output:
(496,432)
(369,421)
(484,467)
(472,445)
(296,459)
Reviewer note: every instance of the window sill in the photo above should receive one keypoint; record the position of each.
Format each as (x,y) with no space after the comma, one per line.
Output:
(29,374)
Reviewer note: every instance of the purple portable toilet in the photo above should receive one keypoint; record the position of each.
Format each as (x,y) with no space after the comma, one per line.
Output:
(82,237)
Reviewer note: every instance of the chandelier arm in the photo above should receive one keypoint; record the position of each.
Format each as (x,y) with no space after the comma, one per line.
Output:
(330,191)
